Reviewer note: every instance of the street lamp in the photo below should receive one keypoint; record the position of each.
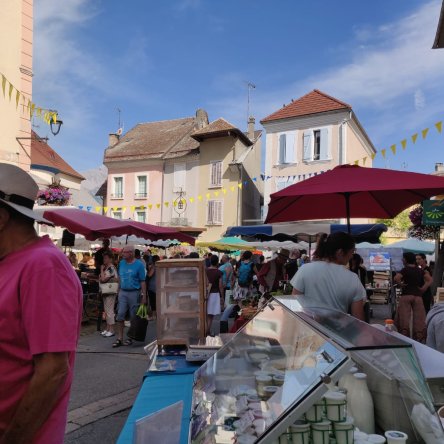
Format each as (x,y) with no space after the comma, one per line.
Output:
(180,203)
(55,126)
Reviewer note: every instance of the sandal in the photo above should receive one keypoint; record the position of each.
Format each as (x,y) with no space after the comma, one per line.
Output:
(118,343)
(127,342)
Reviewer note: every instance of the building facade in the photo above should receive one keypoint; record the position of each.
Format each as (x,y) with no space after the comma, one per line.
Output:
(310,135)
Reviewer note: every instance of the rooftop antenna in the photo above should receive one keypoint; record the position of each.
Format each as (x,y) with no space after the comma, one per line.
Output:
(250,86)
(119,123)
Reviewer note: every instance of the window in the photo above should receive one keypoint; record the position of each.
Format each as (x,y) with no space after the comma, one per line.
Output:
(180,176)
(140,216)
(141,186)
(214,212)
(117,215)
(117,187)
(316,145)
(287,148)
(216,174)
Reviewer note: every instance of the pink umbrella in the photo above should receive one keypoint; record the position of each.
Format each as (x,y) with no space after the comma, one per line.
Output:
(94,226)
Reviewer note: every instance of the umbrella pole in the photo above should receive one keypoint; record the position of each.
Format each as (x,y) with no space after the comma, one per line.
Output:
(347,211)
(126,241)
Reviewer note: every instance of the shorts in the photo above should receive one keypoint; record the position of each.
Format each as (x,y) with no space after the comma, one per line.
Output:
(128,302)
(213,304)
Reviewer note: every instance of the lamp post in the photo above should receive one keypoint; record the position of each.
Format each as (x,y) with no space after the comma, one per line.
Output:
(180,203)
(55,126)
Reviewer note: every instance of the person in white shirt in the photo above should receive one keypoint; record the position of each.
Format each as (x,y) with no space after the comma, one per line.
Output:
(326,282)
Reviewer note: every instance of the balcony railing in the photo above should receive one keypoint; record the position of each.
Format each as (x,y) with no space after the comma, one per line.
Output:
(140,195)
(174,222)
(116,195)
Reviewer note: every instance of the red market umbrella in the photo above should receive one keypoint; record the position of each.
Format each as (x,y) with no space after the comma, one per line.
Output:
(352,191)
(94,226)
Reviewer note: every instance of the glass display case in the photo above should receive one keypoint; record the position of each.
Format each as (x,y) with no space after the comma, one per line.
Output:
(180,300)
(278,368)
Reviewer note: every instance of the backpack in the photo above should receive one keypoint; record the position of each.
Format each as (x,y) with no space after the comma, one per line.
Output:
(245,274)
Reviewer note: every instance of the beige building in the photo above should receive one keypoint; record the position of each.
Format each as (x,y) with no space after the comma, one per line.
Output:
(310,135)
(16,35)
(229,171)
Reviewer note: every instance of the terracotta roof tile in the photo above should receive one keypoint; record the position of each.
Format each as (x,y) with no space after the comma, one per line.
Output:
(155,140)
(312,103)
(44,156)
(220,128)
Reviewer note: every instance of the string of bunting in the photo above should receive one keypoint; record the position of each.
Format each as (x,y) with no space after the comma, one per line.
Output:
(11,91)
(279,178)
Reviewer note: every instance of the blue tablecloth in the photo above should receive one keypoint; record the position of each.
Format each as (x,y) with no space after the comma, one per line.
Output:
(182,367)
(158,393)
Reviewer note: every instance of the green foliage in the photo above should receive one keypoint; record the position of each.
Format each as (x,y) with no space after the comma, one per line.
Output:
(401,223)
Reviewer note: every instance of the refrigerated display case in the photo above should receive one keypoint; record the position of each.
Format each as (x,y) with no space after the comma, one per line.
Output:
(281,363)
(180,300)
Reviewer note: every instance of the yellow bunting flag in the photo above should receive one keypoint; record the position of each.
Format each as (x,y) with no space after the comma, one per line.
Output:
(166,204)
(414,137)
(191,199)
(373,155)
(208,195)
(393,148)
(356,162)
(105,209)
(133,208)
(54,117)
(232,187)
(3,84)
(174,204)
(239,185)
(32,109)
(17,98)
(364,159)
(39,112)
(404,144)
(224,190)
(383,152)
(438,126)
(123,208)
(11,88)
(199,197)
(424,133)
(115,208)
(142,207)
(216,193)
(150,206)
(98,209)
(157,205)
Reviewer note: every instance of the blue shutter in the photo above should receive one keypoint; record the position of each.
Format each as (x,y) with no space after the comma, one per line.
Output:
(282,144)
(290,149)
(307,153)
(324,154)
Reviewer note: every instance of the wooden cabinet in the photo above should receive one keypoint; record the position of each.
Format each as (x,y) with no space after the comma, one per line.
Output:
(180,300)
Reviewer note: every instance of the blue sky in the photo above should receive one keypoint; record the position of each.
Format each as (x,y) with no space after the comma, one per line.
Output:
(159,60)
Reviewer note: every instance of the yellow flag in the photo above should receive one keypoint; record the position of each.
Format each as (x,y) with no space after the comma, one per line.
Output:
(142,207)
(438,126)
(232,187)
(208,195)
(97,209)
(199,197)
(393,148)
(239,185)
(32,109)
(356,162)
(414,137)
(11,88)
(123,208)
(373,156)
(174,204)
(364,159)
(404,144)
(105,209)
(114,208)
(3,84)
(424,133)
(39,112)
(150,206)
(224,190)
(383,152)
(17,98)
(54,117)
(216,193)
(133,208)
(157,205)
(191,199)
(166,204)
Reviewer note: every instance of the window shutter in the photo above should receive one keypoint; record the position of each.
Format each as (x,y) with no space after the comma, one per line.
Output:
(180,171)
(290,151)
(219,173)
(219,212)
(282,144)
(307,154)
(324,154)
(210,212)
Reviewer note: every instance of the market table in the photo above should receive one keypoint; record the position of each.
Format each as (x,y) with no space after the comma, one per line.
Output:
(159,390)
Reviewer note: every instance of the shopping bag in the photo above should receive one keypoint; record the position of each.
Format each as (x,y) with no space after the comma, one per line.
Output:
(139,324)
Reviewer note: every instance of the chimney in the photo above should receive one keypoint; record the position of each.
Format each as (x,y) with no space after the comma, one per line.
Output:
(251,122)
(201,118)
(113,139)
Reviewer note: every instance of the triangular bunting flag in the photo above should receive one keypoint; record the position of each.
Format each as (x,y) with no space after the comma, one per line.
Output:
(232,187)
(356,162)
(133,208)
(199,197)
(88,208)
(208,195)
(39,112)
(424,133)
(254,179)
(414,137)
(224,190)
(158,205)
(383,152)
(404,144)
(393,148)
(105,209)
(191,199)
(438,126)
(115,208)
(364,159)
(80,207)
(245,183)
(166,204)
(263,176)
(17,98)
(239,185)
(31,112)
(373,155)
(3,84)
(174,204)
(142,207)
(11,88)
(98,209)
(150,206)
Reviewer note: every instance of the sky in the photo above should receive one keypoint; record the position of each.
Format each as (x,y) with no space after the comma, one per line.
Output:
(157,60)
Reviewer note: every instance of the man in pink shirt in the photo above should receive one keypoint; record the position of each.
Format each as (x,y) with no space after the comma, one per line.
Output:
(40,316)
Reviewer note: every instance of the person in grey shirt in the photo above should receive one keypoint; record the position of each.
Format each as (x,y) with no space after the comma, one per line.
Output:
(326,282)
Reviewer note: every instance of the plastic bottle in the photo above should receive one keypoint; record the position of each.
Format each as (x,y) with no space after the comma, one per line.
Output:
(347,383)
(390,325)
(360,402)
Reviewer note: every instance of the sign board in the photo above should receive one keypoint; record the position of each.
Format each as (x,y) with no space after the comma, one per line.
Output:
(379,261)
(433,212)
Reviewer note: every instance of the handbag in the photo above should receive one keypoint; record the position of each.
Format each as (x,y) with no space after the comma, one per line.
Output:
(139,324)
(109,287)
